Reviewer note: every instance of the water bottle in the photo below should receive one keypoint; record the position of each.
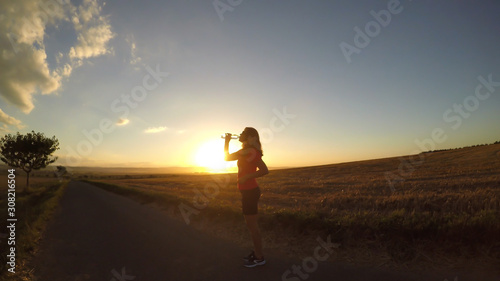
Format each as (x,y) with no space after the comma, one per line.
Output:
(233,136)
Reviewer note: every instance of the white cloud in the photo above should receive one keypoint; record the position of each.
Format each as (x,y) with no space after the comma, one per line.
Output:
(154,130)
(134,58)
(59,57)
(7,120)
(24,74)
(88,10)
(92,42)
(23,58)
(66,70)
(25,71)
(94,31)
(122,122)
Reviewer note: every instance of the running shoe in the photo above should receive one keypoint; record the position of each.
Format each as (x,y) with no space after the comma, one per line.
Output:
(255,262)
(250,257)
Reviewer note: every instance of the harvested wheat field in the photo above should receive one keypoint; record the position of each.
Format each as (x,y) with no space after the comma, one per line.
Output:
(436,210)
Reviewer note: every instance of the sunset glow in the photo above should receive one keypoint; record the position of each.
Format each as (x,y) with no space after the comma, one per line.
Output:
(210,155)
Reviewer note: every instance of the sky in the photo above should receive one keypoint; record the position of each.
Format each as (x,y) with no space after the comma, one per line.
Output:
(152,83)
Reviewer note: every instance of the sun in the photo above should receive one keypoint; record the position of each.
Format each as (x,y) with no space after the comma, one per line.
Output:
(210,155)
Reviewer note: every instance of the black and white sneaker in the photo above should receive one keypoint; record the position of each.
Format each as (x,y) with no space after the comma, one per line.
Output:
(255,262)
(250,257)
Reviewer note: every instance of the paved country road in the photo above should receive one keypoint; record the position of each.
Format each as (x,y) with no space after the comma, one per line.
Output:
(101,236)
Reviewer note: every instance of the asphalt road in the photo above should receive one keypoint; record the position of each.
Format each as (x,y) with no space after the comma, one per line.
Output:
(98,235)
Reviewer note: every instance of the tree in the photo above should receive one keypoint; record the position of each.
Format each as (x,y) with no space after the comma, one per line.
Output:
(28,152)
(61,171)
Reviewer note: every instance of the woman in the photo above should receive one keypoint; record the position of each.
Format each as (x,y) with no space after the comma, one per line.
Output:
(249,159)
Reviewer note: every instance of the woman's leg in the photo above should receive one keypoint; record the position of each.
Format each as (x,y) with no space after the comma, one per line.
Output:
(253,227)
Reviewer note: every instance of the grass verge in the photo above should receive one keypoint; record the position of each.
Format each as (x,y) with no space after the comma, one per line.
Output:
(144,197)
(33,211)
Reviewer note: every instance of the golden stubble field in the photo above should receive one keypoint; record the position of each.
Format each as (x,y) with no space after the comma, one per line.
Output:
(441,210)
(458,181)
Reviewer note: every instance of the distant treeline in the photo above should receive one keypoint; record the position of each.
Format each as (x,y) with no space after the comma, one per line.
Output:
(448,149)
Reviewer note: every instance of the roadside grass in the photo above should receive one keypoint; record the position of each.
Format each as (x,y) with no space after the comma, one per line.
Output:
(142,196)
(33,211)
